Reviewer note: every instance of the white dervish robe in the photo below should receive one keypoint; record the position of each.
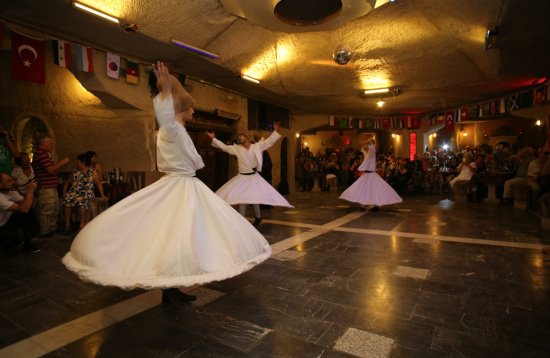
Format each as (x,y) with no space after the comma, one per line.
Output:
(248,187)
(174,232)
(370,188)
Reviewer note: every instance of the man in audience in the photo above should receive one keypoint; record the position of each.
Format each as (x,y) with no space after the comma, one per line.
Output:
(17,219)
(522,173)
(45,171)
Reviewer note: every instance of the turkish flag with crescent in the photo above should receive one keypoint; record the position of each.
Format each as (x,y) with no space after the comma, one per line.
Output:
(449,121)
(28,60)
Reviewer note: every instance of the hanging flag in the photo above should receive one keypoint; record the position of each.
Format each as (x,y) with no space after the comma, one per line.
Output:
(385,123)
(27,59)
(376,123)
(493,108)
(331,121)
(440,117)
(502,106)
(342,123)
(369,123)
(449,121)
(361,123)
(132,72)
(457,115)
(113,65)
(84,59)
(417,122)
(61,53)
(463,114)
(350,121)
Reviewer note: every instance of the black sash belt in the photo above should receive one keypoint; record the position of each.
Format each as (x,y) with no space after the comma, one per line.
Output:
(369,171)
(248,173)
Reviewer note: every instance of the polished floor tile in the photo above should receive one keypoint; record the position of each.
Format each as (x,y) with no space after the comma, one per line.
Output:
(425,278)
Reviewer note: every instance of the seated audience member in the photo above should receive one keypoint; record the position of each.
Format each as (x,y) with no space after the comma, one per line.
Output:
(23,172)
(402,176)
(78,190)
(466,169)
(481,179)
(544,180)
(17,219)
(524,160)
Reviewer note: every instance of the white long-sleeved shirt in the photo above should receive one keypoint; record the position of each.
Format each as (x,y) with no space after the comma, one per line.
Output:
(249,159)
(176,153)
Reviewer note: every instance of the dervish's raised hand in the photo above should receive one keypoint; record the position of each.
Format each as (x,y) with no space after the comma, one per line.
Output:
(211,134)
(164,80)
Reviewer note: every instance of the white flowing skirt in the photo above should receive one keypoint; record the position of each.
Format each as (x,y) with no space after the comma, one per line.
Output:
(251,189)
(175,232)
(371,189)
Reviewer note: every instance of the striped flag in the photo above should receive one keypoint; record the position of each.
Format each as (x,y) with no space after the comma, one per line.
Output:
(61,53)
(376,123)
(84,58)
(331,121)
(132,72)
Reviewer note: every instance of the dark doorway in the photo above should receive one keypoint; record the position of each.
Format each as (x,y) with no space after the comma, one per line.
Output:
(215,171)
(283,186)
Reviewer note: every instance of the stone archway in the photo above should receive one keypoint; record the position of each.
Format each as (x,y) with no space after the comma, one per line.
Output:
(27,131)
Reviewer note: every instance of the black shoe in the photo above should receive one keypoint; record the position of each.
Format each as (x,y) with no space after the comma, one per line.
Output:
(375,208)
(31,248)
(257,222)
(173,295)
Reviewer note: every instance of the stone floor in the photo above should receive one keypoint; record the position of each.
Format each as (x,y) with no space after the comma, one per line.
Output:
(425,278)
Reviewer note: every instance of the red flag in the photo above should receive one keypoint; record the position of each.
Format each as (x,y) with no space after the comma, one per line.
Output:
(27,59)
(463,114)
(385,123)
(449,121)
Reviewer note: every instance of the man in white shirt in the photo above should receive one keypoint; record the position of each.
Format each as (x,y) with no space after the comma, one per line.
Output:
(17,219)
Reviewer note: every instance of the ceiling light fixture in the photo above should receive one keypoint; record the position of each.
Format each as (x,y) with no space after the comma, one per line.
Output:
(378,90)
(95,12)
(380,103)
(194,49)
(251,79)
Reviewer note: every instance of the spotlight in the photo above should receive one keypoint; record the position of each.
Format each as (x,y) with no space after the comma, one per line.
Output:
(342,55)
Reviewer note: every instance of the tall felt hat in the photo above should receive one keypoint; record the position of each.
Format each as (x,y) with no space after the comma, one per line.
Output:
(242,130)
(182,98)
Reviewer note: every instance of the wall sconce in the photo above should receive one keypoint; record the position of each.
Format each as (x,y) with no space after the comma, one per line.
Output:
(297,135)
(95,12)
(538,123)
(465,134)
(435,135)
(393,135)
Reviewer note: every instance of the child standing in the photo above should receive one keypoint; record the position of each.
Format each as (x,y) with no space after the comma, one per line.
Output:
(78,190)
